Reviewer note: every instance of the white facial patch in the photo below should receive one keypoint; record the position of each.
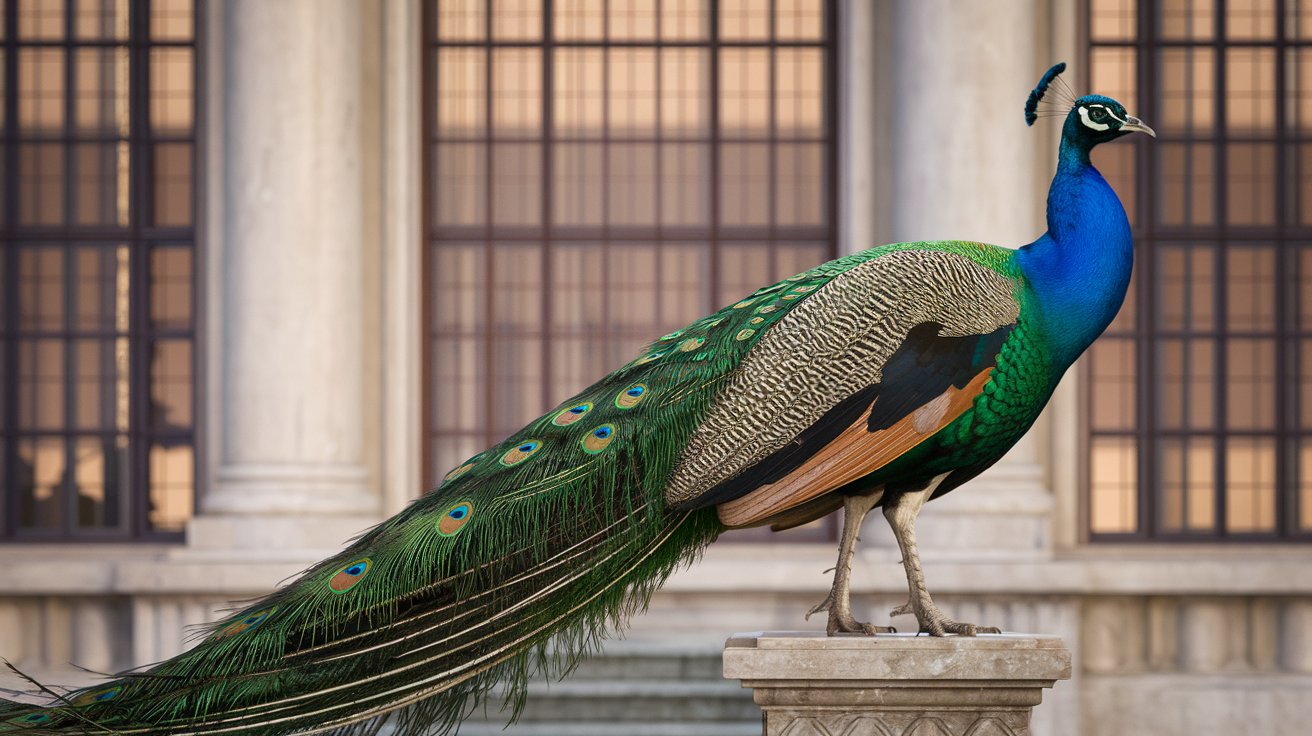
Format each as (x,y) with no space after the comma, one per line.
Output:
(1084,118)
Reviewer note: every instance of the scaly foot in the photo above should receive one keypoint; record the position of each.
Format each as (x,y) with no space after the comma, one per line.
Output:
(841,620)
(933,622)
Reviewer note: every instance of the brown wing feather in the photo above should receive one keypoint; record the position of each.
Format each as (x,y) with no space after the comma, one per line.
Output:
(853,454)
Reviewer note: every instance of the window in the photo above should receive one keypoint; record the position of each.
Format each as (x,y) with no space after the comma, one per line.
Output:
(97,266)
(1200,395)
(604,171)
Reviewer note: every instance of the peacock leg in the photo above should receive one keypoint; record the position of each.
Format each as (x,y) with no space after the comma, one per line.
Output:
(901,513)
(839,601)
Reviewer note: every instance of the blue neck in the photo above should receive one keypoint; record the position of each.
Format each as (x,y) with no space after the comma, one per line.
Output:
(1079,269)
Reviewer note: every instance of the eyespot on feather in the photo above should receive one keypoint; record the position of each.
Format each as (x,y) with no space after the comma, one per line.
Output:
(566,417)
(631,396)
(744,334)
(671,335)
(644,360)
(756,320)
(520,452)
(349,576)
(767,309)
(691,344)
(30,719)
(744,303)
(455,519)
(457,472)
(245,623)
(98,696)
(598,439)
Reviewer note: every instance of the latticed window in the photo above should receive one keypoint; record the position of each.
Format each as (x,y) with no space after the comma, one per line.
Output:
(1199,397)
(604,171)
(97,235)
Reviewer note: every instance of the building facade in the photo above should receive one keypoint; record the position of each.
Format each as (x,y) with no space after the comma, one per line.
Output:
(335,246)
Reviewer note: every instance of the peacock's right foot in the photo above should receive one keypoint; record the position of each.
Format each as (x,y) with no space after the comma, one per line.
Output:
(841,620)
(933,621)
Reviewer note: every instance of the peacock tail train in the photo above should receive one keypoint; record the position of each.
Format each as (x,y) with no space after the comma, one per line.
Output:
(518,563)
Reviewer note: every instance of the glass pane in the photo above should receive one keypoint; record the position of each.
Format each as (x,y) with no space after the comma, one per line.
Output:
(1113,20)
(1250,384)
(1250,95)
(517,184)
(170,385)
(1248,20)
(633,20)
(41,91)
(685,290)
(685,93)
(1298,90)
(1185,383)
(579,20)
(40,184)
(461,20)
(459,384)
(1303,201)
(100,467)
(100,183)
(579,99)
(172,20)
(517,282)
(1305,386)
(40,20)
(41,384)
(171,288)
(1187,176)
(101,386)
(579,184)
(461,92)
(460,183)
(40,289)
(1298,14)
(172,477)
(1112,395)
(578,292)
(744,268)
(517,92)
(794,258)
(1188,81)
(744,184)
(100,98)
(684,20)
(1305,485)
(1187,282)
(742,20)
(103,19)
(1187,19)
(799,20)
(1113,74)
(1113,485)
(516,20)
(458,280)
(172,81)
(1250,281)
(102,280)
(632,93)
(686,184)
(632,196)
(632,273)
(1188,470)
(1251,184)
(40,476)
(800,192)
(517,375)
(172,170)
(744,93)
(799,93)
(1305,286)
(1250,477)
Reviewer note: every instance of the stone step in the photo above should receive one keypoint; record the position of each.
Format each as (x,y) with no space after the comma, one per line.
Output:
(652,661)
(654,702)
(619,728)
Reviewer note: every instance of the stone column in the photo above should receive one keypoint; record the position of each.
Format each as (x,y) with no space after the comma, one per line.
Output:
(966,167)
(896,685)
(286,407)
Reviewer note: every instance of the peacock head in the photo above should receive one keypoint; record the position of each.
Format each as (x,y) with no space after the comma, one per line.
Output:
(1090,120)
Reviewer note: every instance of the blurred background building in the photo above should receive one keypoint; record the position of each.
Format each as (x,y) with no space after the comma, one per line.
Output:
(269,267)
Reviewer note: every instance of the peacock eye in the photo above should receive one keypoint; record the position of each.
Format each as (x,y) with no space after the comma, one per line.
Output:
(1098,115)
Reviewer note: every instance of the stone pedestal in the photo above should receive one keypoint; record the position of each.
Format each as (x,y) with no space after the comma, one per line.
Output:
(896,685)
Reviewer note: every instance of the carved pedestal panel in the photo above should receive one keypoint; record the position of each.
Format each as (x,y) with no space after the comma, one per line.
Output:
(808,684)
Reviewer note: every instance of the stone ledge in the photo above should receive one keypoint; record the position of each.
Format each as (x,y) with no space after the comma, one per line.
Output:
(896,683)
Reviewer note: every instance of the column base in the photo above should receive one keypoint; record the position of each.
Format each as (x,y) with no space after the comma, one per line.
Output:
(896,684)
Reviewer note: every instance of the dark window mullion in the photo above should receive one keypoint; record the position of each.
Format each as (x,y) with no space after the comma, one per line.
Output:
(1220,216)
(66,500)
(1148,476)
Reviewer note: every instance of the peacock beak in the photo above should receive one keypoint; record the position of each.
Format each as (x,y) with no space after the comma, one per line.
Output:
(1132,124)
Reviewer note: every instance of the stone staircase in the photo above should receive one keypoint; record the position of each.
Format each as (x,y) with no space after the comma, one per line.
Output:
(634,688)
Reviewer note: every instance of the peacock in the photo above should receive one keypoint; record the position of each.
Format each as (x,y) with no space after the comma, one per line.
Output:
(882,379)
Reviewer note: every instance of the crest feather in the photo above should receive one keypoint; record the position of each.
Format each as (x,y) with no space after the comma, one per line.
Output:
(1036,94)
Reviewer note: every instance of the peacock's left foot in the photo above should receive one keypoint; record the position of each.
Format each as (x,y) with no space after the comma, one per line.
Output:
(933,622)
(841,620)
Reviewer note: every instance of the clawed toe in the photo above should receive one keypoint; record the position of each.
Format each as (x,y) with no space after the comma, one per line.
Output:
(933,622)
